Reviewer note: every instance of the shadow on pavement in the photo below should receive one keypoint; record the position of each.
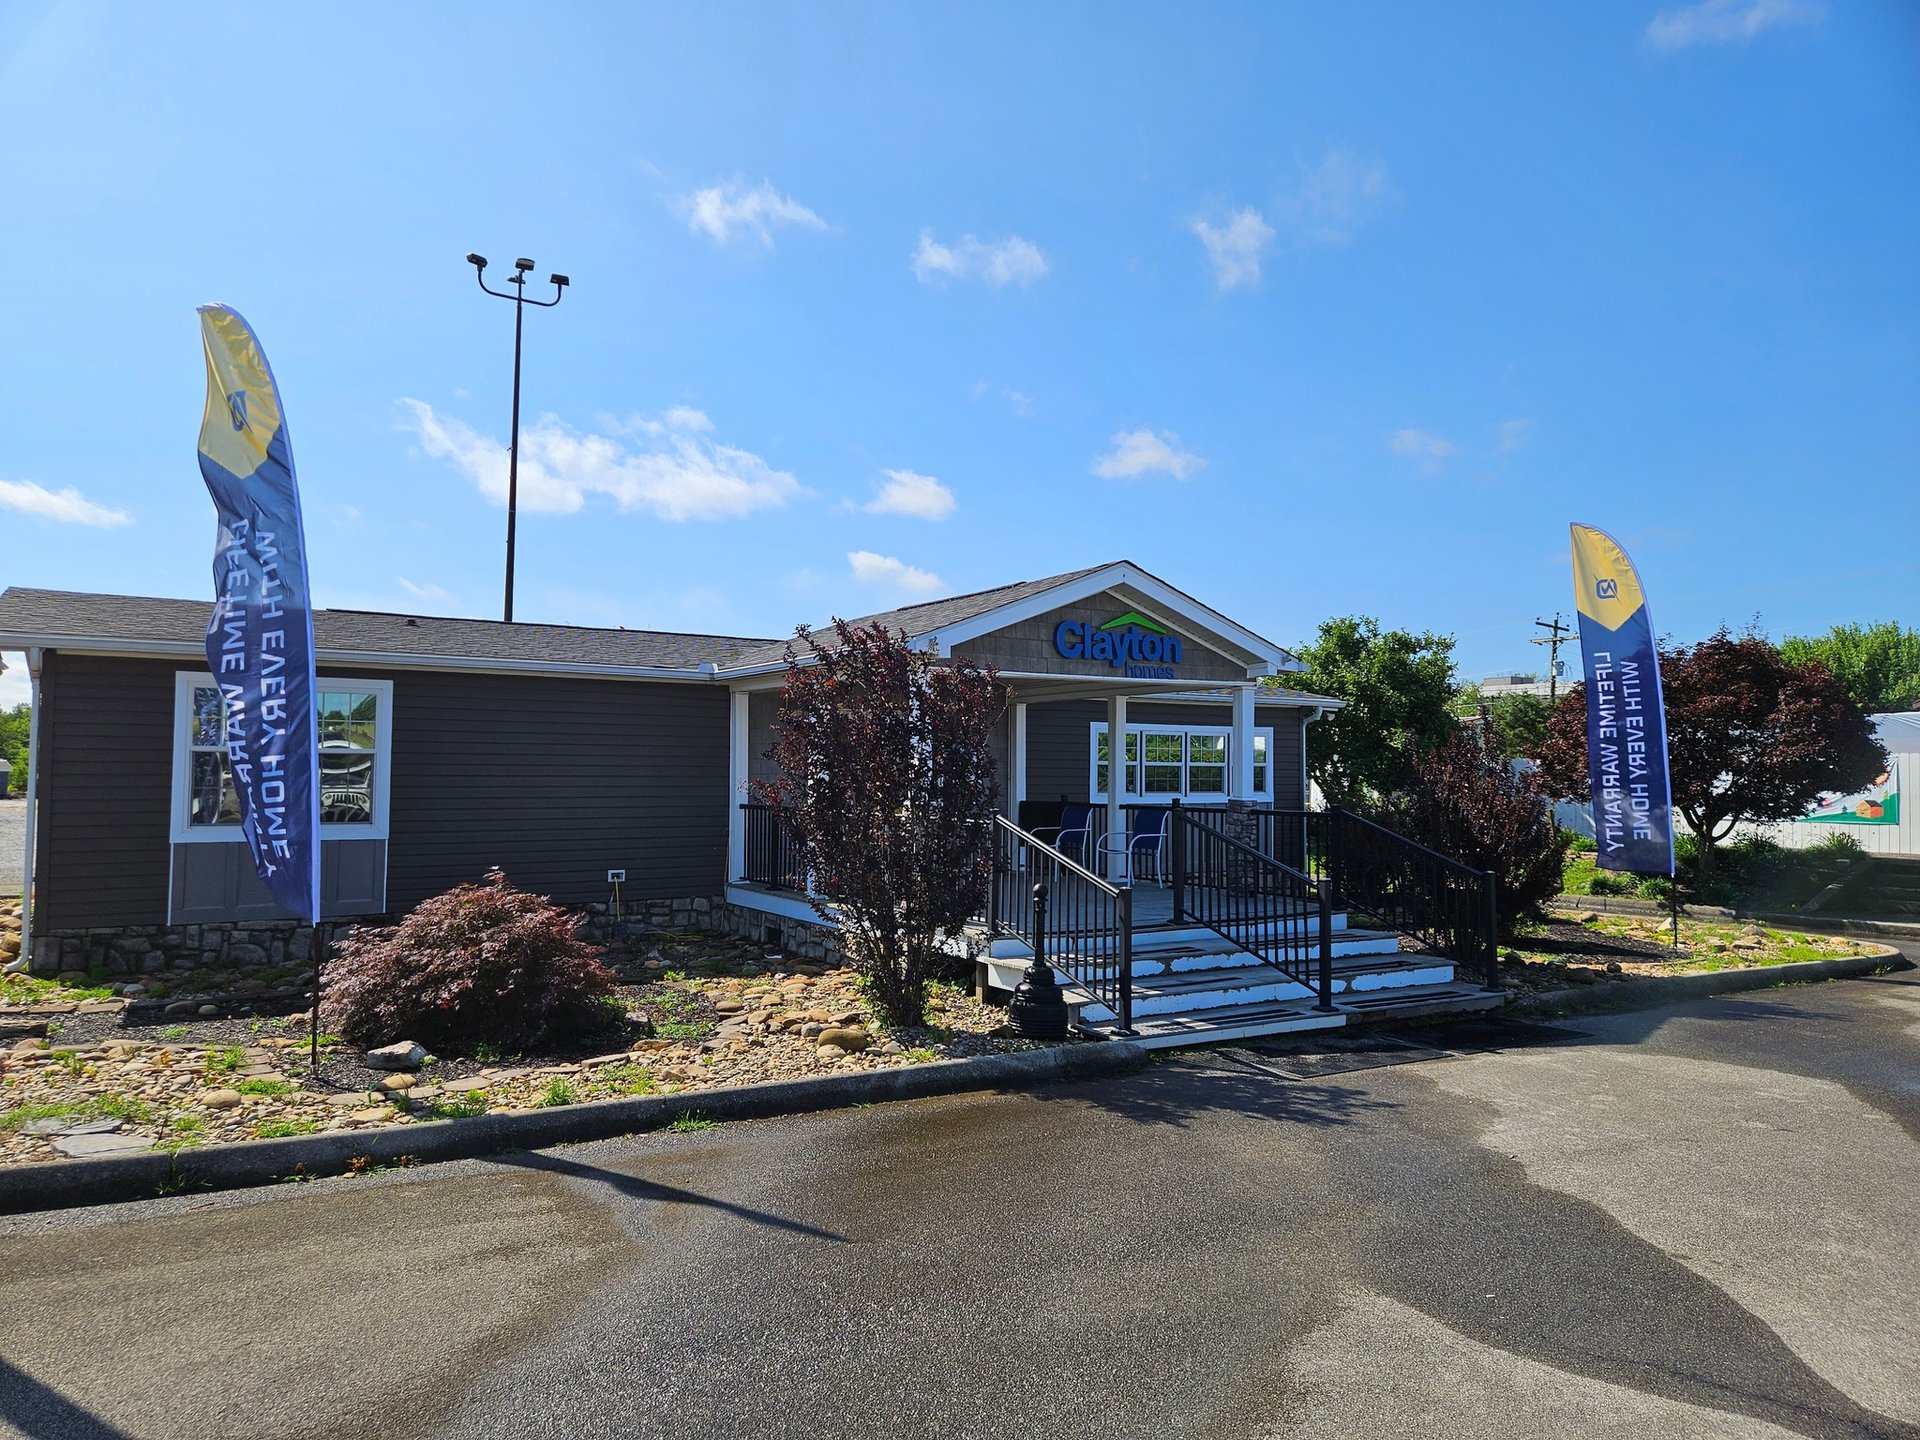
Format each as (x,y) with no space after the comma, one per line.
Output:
(636,1188)
(1182,1088)
(42,1413)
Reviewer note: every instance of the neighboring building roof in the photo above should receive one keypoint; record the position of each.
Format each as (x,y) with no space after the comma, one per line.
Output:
(98,621)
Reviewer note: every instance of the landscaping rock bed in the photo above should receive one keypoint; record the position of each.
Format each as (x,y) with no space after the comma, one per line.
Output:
(1587,948)
(701,1012)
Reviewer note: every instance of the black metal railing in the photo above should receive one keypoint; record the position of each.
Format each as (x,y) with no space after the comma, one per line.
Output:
(1448,905)
(1275,912)
(770,855)
(1082,927)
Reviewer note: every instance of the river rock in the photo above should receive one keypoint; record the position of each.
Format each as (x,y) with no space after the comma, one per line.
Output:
(845,1037)
(401,1055)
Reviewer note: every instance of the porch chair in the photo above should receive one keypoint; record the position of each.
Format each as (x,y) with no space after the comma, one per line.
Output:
(1075,833)
(1149,839)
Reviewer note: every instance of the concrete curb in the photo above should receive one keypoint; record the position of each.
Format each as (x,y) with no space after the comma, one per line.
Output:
(1824,924)
(1656,990)
(59,1184)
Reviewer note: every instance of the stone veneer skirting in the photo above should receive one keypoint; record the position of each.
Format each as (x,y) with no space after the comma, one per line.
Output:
(258,958)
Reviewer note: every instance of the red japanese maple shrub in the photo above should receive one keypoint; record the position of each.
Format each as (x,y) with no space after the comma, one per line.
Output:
(481,963)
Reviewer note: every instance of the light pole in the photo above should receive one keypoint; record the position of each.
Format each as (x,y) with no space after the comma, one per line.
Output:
(520,301)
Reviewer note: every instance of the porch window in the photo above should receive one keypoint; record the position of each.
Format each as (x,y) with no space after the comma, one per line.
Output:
(355,723)
(1193,762)
(1100,762)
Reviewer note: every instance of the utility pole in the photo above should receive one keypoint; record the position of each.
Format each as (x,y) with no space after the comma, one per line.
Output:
(520,301)
(1555,637)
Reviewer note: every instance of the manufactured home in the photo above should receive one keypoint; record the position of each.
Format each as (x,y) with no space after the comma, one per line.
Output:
(577,758)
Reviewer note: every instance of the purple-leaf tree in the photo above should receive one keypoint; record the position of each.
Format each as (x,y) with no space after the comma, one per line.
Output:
(887,791)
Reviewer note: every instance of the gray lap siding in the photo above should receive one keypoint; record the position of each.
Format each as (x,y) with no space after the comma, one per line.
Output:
(553,780)
(556,781)
(1057,743)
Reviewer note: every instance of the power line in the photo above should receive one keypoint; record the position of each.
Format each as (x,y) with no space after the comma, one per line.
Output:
(1556,636)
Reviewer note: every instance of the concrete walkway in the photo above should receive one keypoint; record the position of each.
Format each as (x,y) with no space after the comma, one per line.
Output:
(1692,1222)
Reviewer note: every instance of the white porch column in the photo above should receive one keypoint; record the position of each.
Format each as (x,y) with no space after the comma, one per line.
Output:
(1240,761)
(1117,770)
(1017,764)
(737,787)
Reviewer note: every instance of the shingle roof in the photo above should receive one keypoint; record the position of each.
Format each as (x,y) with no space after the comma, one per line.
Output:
(929,615)
(47,614)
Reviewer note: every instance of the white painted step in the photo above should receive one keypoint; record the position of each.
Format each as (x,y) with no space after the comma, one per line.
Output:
(1209,952)
(1256,984)
(1247,1022)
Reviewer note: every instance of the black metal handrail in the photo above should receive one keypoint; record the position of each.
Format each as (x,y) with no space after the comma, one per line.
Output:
(770,856)
(1088,931)
(1448,905)
(1273,911)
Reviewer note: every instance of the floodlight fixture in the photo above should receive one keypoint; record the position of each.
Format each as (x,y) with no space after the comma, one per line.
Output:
(517,294)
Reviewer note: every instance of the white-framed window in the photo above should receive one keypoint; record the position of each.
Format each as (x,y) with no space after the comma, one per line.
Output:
(356,747)
(1193,762)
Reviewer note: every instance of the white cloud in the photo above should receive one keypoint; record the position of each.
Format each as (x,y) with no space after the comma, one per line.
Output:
(1147,452)
(1002,262)
(674,473)
(872,569)
(16,688)
(1333,198)
(1727,22)
(1514,434)
(1429,450)
(733,207)
(68,505)
(1021,405)
(1235,248)
(425,592)
(907,492)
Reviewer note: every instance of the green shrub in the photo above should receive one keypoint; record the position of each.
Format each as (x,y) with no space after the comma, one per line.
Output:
(480,965)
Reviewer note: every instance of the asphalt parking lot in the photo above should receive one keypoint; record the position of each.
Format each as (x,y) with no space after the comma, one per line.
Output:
(1689,1222)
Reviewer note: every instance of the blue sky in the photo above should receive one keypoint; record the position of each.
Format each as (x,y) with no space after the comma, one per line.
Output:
(1309,309)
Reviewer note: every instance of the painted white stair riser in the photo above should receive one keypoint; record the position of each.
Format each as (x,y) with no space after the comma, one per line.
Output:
(1153,960)
(1007,974)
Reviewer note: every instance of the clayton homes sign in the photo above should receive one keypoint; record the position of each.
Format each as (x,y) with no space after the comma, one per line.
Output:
(1130,642)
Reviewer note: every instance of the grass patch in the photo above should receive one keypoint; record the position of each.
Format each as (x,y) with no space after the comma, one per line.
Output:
(173,1032)
(69,1060)
(128,1108)
(258,1085)
(282,1129)
(31,990)
(458,1107)
(681,1030)
(225,1059)
(559,1092)
(922,1055)
(692,1121)
(488,1053)
(625,1079)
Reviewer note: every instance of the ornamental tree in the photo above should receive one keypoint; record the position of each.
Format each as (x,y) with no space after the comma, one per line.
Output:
(1399,689)
(887,790)
(1751,736)
(1469,802)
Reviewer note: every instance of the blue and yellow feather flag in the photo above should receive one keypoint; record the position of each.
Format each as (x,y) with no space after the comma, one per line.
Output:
(260,638)
(1626,716)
